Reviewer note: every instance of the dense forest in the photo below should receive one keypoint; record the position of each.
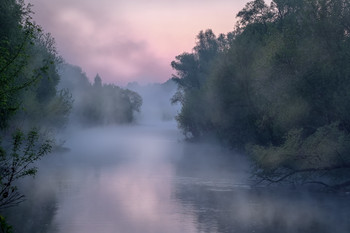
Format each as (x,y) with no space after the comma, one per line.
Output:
(38,91)
(276,89)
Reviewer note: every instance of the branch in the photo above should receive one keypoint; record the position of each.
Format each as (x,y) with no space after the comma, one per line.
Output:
(296,171)
(13,200)
(16,55)
(318,182)
(24,85)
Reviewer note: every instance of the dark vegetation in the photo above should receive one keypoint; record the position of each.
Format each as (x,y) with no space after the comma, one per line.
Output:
(276,88)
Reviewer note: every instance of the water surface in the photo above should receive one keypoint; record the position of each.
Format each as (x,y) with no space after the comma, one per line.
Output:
(146,179)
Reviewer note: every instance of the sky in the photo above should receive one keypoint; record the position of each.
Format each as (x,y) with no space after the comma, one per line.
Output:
(131,40)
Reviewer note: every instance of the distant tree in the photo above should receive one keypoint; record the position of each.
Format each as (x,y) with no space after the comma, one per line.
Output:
(135,100)
(97,81)
(98,103)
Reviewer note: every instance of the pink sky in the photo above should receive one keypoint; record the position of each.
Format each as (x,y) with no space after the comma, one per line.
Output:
(131,40)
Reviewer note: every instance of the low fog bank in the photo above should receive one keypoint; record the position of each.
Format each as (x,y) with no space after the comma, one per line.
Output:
(142,178)
(156,106)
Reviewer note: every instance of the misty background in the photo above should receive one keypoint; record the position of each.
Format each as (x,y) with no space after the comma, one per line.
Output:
(244,131)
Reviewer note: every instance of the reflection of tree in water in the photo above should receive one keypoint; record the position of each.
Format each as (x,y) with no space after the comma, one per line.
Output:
(36,214)
(263,210)
(210,187)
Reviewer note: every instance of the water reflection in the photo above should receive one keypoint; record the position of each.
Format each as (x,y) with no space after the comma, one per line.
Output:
(144,179)
(251,210)
(216,191)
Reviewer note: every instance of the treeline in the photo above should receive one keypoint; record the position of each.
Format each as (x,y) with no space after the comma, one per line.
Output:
(277,88)
(38,89)
(97,103)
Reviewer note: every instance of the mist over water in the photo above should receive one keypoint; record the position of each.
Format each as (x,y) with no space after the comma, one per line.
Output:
(156,106)
(145,178)
(275,87)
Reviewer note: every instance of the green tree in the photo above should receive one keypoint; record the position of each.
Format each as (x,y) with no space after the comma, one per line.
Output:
(192,71)
(16,37)
(277,89)
(21,44)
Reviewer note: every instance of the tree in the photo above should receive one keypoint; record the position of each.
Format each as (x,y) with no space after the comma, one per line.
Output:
(97,81)
(16,36)
(43,97)
(21,43)
(192,71)
(135,100)
(17,162)
(254,12)
(277,89)
(98,103)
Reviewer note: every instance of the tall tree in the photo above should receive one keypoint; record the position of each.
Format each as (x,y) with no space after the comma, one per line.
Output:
(278,89)
(27,69)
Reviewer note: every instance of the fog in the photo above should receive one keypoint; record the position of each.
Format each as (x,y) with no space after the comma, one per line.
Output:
(145,177)
(124,167)
(257,142)
(156,106)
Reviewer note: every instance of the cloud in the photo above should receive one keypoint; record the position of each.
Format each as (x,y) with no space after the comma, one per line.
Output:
(130,40)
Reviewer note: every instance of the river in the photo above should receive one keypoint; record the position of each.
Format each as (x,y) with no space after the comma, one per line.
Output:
(146,179)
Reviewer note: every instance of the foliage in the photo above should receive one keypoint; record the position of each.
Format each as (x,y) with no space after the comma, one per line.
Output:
(301,159)
(4,227)
(277,89)
(193,70)
(28,88)
(16,35)
(28,74)
(17,161)
(43,97)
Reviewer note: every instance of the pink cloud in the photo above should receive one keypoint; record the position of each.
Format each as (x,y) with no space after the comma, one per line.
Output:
(131,40)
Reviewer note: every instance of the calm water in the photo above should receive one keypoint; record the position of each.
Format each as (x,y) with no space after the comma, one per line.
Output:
(144,179)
